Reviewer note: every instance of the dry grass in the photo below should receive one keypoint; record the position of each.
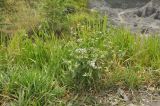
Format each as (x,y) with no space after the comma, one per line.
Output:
(19,16)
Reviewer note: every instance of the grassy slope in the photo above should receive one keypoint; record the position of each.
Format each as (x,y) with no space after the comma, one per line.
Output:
(48,71)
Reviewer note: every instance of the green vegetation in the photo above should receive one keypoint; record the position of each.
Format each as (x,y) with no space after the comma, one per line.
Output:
(48,70)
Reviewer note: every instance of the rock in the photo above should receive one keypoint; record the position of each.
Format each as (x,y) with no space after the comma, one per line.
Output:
(157,16)
(148,11)
(132,104)
(135,24)
(123,95)
(138,13)
(144,30)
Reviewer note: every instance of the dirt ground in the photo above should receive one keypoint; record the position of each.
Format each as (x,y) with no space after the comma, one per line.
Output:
(144,96)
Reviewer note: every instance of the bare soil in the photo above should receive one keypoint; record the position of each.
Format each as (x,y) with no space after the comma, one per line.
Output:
(146,96)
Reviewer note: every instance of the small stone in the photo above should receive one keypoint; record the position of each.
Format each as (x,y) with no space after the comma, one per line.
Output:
(123,95)
(132,104)
(151,89)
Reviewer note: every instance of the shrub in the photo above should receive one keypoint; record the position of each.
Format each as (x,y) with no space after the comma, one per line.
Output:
(57,14)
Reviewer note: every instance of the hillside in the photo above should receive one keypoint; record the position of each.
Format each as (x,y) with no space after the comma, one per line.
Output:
(61,53)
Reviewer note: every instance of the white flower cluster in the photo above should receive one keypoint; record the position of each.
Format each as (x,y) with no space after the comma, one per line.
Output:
(93,64)
(81,50)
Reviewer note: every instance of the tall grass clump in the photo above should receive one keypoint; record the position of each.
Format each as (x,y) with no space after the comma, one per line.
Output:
(58,15)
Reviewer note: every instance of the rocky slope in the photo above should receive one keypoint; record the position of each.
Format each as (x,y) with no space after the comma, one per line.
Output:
(138,15)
